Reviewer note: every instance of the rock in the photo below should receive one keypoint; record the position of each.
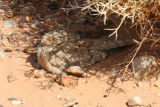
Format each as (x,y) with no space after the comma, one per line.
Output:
(9,24)
(118,79)
(66,80)
(35,73)
(59,97)
(71,103)
(16,101)
(141,66)
(134,101)
(75,105)
(110,81)
(39,73)
(105,95)
(157,84)
(11,78)
(140,84)
(113,74)
(76,71)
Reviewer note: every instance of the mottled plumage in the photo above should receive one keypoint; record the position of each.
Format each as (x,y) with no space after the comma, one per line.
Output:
(59,50)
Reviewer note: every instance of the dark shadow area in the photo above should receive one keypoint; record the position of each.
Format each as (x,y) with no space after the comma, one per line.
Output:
(119,58)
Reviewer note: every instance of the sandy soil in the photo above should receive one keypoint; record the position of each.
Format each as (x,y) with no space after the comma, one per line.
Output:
(90,92)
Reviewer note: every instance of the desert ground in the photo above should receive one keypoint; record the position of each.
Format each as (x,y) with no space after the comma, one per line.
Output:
(18,55)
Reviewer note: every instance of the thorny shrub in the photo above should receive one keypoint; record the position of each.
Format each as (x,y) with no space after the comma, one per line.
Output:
(144,14)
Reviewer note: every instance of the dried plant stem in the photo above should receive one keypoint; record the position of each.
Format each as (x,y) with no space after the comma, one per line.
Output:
(138,48)
(116,29)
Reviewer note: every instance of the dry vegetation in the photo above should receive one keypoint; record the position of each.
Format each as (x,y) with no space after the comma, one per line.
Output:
(144,14)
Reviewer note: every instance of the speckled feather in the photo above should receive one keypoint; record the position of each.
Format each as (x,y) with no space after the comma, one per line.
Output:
(59,50)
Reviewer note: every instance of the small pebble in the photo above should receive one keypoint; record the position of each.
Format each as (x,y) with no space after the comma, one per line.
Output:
(110,82)
(134,101)
(16,101)
(71,103)
(59,97)
(157,84)
(76,71)
(113,74)
(75,105)
(118,80)
(39,73)
(140,84)
(105,95)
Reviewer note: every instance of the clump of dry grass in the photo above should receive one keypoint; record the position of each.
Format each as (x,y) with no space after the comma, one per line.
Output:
(144,14)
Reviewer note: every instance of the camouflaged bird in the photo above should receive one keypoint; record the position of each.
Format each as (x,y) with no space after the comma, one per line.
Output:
(59,50)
